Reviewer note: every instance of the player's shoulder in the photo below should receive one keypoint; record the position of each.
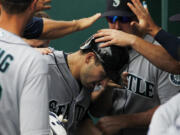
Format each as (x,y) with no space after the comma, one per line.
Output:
(37,59)
(56,57)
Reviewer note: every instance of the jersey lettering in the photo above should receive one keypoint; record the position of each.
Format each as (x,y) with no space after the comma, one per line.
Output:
(140,86)
(59,109)
(4,60)
(0,91)
(65,110)
(80,110)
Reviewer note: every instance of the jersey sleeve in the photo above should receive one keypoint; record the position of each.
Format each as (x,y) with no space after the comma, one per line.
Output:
(166,87)
(34,28)
(165,118)
(170,42)
(34,102)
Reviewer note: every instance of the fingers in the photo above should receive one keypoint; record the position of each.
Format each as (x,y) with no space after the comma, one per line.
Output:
(137,8)
(44,51)
(100,34)
(124,78)
(96,16)
(114,85)
(104,35)
(47,1)
(42,5)
(106,39)
(133,9)
(103,39)
(106,44)
(46,7)
(104,32)
(87,22)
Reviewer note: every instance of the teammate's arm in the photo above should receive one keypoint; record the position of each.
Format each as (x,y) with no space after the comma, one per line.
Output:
(155,54)
(112,124)
(146,25)
(55,29)
(34,102)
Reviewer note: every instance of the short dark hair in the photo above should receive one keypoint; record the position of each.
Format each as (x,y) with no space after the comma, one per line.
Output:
(97,61)
(15,6)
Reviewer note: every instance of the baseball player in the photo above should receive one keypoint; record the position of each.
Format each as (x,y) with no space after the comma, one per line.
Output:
(65,84)
(158,55)
(72,77)
(148,86)
(166,120)
(23,75)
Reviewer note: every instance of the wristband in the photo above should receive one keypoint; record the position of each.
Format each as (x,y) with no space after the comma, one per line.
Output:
(94,119)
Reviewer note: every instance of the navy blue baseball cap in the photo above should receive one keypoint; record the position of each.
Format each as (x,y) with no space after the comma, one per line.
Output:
(175,18)
(118,8)
(114,59)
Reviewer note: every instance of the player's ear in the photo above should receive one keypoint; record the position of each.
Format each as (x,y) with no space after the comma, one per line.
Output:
(89,57)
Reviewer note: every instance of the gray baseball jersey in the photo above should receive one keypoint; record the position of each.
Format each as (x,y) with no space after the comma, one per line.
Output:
(23,88)
(66,98)
(147,88)
(166,119)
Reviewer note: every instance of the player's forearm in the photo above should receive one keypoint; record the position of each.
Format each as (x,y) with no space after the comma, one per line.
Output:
(154,30)
(55,29)
(156,55)
(139,120)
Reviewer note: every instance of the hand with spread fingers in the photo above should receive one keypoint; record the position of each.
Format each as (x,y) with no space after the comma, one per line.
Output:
(145,24)
(87,22)
(42,5)
(114,37)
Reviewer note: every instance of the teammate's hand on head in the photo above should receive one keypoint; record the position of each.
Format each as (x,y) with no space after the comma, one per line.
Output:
(87,22)
(42,5)
(145,23)
(114,37)
(44,50)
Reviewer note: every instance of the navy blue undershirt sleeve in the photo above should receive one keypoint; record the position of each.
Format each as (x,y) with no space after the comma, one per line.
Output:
(34,28)
(170,42)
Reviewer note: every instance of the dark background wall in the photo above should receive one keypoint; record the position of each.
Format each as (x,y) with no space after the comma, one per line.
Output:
(174,8)
(74,9)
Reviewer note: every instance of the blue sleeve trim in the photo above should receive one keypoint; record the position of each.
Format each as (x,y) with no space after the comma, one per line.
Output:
(34,28)
(170,42)
(94,119)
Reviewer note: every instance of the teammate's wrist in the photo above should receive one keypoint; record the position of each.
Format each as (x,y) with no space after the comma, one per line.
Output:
(154,31)
(93,118)
(132,40)
(76,25)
